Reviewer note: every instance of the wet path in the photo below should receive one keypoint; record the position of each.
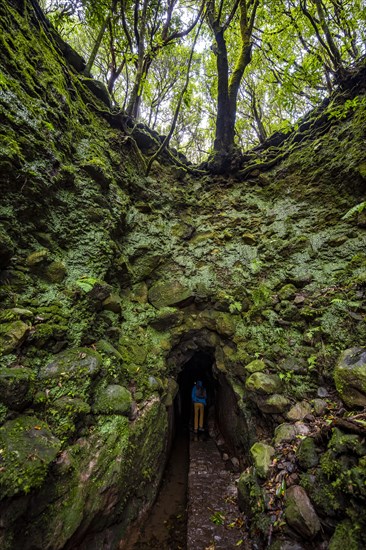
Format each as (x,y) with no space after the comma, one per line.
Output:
(196,508)
(165,527)
(214,521)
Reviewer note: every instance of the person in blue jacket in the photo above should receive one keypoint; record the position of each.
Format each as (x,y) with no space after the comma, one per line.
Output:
(199,401)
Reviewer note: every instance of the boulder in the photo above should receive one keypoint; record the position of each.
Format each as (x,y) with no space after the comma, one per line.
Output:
(301,428)
(306,453)
(319,406)
(249,491)
(112,303)
(255,366)
(15,384)
(249,238)
(15,314)
(12,335)
(72,406)
(284,432)
(300,514)
(112,399)
(72,362)
(259,382)
(299,411)
(37,258)
(262,457)
(274,404)
(56,272)
(167,320)
(350,377)
(99,89)
(27,449)
(168,293)
(225,324)
(294,365)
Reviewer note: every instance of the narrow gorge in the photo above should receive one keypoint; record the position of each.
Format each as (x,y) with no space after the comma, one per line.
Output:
(118,289)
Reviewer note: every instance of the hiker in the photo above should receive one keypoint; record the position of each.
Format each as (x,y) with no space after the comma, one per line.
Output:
(199,402)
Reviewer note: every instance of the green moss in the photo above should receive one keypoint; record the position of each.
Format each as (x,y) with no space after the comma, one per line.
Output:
(56,272)
(37,258)
(112,399)
(12,335)
(346,535)
(16,387)
(3,413)
(27,448)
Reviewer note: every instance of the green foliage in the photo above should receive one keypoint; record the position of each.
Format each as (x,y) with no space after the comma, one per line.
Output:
(297,48)
(3,413)
(354,210)
(286,376)
(218,518)
(341,111)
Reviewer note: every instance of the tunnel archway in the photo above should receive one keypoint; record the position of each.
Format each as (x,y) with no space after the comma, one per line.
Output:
(199,355)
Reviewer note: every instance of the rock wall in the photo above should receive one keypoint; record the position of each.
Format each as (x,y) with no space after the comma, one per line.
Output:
(111,280)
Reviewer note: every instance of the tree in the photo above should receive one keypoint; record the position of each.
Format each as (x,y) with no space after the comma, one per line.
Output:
(259,66)
(149,27)
(228,84)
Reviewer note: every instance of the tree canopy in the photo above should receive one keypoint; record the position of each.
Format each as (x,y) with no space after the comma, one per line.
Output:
(256,66)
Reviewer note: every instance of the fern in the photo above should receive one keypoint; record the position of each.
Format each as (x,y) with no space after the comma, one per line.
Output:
(355,209)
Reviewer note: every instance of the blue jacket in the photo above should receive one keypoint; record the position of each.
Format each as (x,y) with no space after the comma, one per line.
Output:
(196,399)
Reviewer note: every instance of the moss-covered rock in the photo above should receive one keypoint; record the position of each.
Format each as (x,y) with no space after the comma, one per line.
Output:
(299,411)
(167,319)
(250,494)
(350,377)
(287,292)
(273,404)
(112,399)
(15,314)
(255,366)
(72,362)
(112,303)
(37,258)
(12,335)
(16,387)
(285,432)
(169,293)
(342,443)
(262,454)
(95,290)
(346,535)
(261,383)
(27,449)
(306,453)
(300,513)
(56,272)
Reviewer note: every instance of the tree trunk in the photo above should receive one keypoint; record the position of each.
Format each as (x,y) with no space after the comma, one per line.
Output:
(336,56)
(225,123)
(99,39)
(134,103)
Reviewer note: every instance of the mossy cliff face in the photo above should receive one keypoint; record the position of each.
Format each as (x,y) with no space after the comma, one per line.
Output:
(110,281)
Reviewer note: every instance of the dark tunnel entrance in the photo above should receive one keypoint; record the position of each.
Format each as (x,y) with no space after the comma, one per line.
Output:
(198,367)
(166,525)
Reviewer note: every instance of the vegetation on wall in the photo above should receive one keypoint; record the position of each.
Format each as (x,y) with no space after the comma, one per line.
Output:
(110,279)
